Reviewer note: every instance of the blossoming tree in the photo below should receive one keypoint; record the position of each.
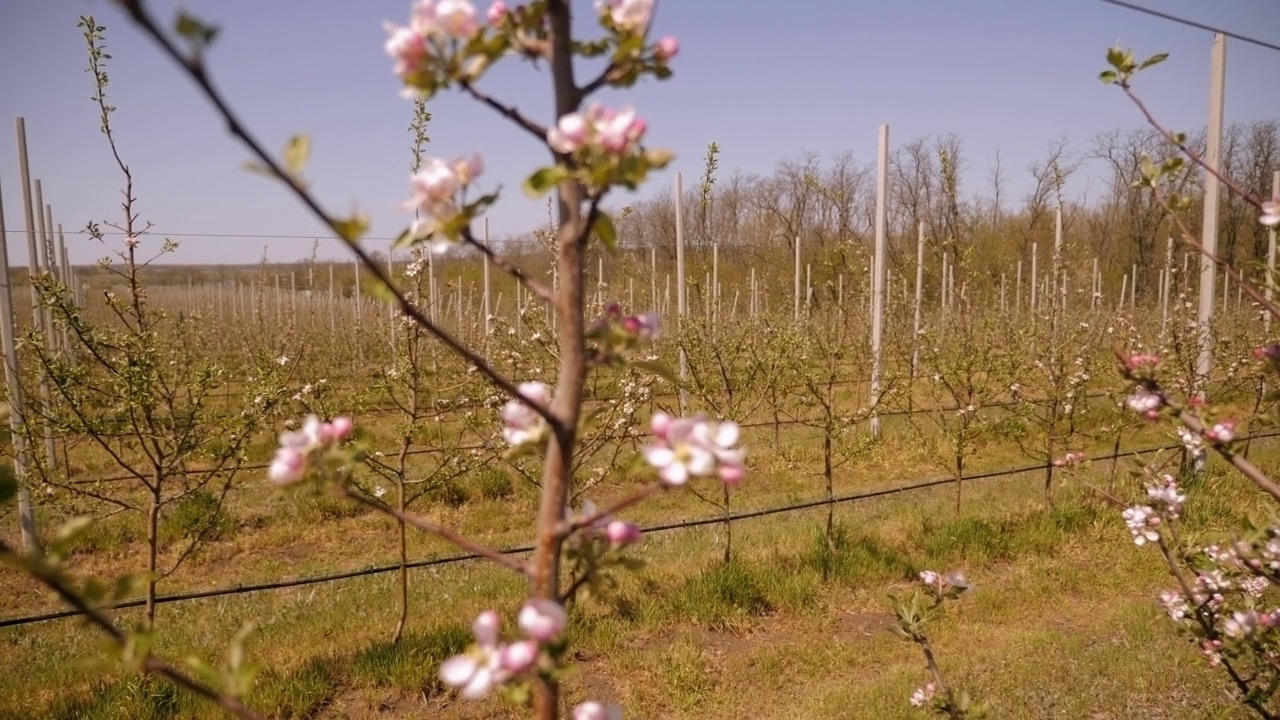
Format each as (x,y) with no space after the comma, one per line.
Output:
(448,45)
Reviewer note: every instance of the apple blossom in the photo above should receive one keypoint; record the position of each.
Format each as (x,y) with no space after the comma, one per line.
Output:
(1142,521)
(467,169)
(522,424)
(616,131)
(477,671)
(457,18)
(542,619)
(519,656)
(627,15)
(569,135)
(1223,432)
(595,710)
(408,48)
(289,465)
(694,447)
(1240,624)
(622,533)
(644,327)
(667,48)
(1165,497)
(1270,213)
(922,695)
(497,12)
(1145,402)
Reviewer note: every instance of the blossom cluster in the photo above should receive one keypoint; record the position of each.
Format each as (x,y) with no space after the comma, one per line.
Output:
(943,586)
(1071,459)
(522,424)
(694,447)
(297,447)
(1146,402)
(613,131)
(489,663)
(435,192)
(616,333)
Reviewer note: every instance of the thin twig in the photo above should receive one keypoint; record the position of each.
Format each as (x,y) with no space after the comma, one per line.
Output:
(441,532)
(568,527)
(504,264)
(507,111)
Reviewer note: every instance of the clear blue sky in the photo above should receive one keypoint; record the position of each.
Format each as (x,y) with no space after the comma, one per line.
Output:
(766,80)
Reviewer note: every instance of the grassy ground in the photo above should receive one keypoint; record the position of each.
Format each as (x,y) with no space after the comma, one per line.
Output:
(1061,623)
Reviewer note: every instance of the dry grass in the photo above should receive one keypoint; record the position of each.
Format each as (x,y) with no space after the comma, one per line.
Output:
(1061,623)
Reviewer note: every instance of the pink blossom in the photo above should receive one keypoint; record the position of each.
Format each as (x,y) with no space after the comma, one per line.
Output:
(287,467)
(408,48)
(667,48)
(520,423)
(627,15)
(694,447)
(922,696)
(335,430)
(594,710)
(1140,361)
(480,669)
(643,326)
(1270,213)
(436,182)
(542,619)
(618,129)
(1142,521)
(1223,432)
(1145,402)
(569,135)
(497,12)
(519,656)
(1165,497)
(457,18)
(289,464)
(621,533)
(467,169)
(422,17)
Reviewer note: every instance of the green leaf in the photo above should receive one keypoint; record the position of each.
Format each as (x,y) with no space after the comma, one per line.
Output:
(1153,60)
(1108,76)
(604,229)
(260,168)
(296,153)
(657,368)
(68,532)
(1118,59)
(197,32)
(544,179)
(403,240)
(352,228)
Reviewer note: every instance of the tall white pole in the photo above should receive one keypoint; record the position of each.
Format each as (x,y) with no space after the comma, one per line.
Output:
(1212,190)
(919,315)
(488,322)
(1059,272)
(1271,253)
(877,291)
(796,286)
(681,306)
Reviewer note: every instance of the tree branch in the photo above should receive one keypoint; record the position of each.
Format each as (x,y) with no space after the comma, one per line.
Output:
(195,70)
(441,532)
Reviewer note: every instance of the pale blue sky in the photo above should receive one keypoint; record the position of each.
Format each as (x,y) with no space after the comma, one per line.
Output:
(765,79)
